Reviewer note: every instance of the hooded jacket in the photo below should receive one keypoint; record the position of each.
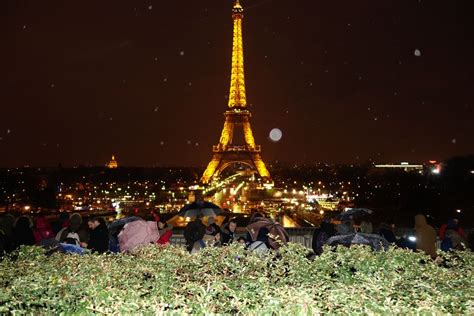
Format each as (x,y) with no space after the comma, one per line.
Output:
(425,236)
(138,233)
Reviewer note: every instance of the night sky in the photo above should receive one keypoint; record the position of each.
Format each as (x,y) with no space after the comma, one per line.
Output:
(345,81)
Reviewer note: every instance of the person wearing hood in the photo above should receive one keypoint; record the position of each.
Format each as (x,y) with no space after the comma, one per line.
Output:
(43,229)
(70,234)
(194,232)
(99,235)
(425,236)
(228,232)
(22,233)
(321,235)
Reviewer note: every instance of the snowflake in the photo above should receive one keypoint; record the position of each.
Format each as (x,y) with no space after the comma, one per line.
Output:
(181,53)
(165,79)
(8,131)
(162,143)
(417,53)
(24,27)
(150,7)
(453,140)
(196,144)
(190,83)
(376,118)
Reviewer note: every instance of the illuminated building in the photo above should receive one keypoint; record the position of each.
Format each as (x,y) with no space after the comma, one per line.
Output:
(404,166)
(112,163)
(225,153)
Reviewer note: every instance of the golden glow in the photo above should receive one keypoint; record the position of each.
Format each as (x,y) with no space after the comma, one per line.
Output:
(226,135)
(248,135)
(225,153)
(112,163)
(237,80)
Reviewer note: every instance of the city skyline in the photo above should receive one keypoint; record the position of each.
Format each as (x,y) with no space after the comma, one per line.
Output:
(148,81)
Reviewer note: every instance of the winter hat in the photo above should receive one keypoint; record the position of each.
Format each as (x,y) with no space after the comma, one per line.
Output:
(76,221)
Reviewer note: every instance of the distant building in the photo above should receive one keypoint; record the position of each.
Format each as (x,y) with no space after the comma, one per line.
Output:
(112,163)
(405,166)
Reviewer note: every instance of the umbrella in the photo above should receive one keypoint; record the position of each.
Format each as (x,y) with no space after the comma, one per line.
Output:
(376,242)
(350,213)
(275,229)
(200,208)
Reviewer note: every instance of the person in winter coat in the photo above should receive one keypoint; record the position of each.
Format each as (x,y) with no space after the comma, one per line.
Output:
(42,230)
(228,231)
(321,235)
(71,234)
(194,232)
(7,224)
(99,235)
(138,233)
(22,233)
(425,236)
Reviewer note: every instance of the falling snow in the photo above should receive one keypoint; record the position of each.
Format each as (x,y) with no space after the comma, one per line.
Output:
(453,140)
(181,53)
(165,79)
(417,53)
(196,144)
(150,7)
(162,143)
(8,131)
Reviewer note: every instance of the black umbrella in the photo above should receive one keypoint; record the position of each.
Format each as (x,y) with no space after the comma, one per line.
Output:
(200,208)
(375,241)
(350,213)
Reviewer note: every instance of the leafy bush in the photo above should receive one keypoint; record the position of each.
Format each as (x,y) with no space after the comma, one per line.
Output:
(230,280)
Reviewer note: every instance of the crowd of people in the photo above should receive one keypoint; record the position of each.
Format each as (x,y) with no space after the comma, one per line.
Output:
(73,234)
(425,238)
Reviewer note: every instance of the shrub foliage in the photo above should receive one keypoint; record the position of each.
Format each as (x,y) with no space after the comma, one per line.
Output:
(232,281)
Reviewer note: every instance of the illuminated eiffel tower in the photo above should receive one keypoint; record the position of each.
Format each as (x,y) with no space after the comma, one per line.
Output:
(238,115)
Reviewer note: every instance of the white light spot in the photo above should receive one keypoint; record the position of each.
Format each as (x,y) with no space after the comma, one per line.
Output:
(275,134)
(24,27)
(8,131)
(188,142)
(190,83)
(417,53)
(162,143)
(156,108)
(196,144)
(156,58)
(150,7)
(165,79)
(376,118)
(453,140)
(52,85)
(181,53)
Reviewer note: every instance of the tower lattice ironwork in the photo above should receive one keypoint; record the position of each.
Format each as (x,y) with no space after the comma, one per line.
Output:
(237,115)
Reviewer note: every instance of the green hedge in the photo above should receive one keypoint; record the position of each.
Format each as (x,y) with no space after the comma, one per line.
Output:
(230,280)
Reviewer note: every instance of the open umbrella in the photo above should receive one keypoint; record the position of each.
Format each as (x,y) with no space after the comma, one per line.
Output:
(274,228)
(376,242)
(200,208)
(350,213)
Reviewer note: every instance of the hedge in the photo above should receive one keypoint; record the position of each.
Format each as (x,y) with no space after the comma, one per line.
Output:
(230,280)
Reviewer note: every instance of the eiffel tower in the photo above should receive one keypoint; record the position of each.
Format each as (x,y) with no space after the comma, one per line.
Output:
(238,115)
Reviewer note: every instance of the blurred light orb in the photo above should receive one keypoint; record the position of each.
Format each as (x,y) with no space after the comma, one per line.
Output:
(275,134)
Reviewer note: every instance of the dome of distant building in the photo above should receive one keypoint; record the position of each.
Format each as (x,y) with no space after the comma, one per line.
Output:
(112,163)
